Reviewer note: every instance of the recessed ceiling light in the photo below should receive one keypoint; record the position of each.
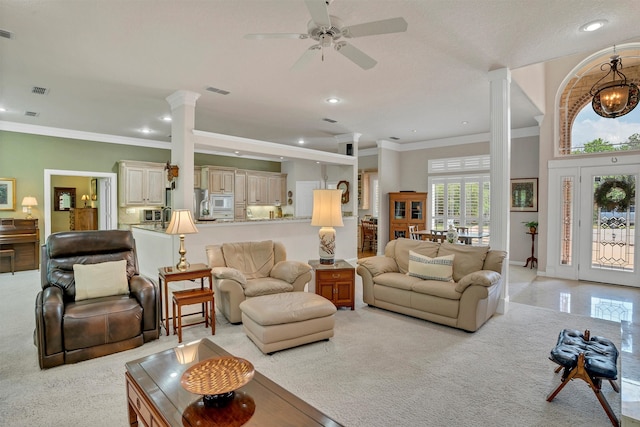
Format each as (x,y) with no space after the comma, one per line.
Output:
(593,25)
(236,152)
(145,130)
(414,130)
(333,100)
(301,141)
(3,110)
(166,119)
(464,122)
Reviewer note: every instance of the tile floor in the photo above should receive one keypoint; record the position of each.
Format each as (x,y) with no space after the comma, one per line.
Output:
(599,300)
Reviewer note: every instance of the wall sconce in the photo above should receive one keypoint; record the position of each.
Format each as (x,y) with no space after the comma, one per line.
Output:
(28,202)
(172,171)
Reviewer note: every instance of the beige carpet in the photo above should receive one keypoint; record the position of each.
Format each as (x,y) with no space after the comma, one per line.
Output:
(380,369)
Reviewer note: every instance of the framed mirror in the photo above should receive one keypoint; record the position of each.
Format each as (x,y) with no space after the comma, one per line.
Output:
(64,198)
(344,186)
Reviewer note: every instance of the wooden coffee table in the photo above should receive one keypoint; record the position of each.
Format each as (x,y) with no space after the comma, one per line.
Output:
(155,396)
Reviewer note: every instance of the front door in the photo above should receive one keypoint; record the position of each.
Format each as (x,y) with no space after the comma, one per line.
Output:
(607,225)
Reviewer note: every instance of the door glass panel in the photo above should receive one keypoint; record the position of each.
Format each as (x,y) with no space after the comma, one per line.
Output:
(613,223)
(400,210)
(416,210)
(567,220)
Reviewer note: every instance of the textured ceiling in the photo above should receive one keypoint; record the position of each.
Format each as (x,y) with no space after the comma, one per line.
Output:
(109,65)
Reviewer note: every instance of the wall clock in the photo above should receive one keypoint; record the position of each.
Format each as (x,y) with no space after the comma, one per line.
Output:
(344,186)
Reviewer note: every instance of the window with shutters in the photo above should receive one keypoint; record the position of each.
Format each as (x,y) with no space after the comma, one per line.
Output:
(460,193)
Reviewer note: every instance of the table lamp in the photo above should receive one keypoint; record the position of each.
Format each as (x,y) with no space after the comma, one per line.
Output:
(327,214)
(85,197)
(182,223)
(28,202)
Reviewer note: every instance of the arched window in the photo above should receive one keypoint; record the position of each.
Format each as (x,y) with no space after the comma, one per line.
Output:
(592,133)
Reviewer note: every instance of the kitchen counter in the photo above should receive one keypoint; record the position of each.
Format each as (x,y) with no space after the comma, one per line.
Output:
(157,249)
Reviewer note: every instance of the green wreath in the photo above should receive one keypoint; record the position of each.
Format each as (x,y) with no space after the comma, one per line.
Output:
(607,201)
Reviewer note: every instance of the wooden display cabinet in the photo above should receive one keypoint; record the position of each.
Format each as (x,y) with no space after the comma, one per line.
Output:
(405,209)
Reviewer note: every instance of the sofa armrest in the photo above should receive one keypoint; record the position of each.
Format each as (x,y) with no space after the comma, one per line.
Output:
(379,264)
(485,278)
(147,293)
(229,273)
(48,334)
(289,271)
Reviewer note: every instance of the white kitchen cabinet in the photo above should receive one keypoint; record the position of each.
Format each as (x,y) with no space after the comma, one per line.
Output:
(277,185)
(142,183)
(240,187)
(197,176)
(221,181)
(257,185)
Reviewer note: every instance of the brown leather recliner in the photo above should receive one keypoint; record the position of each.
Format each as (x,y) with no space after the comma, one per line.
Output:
(69,331)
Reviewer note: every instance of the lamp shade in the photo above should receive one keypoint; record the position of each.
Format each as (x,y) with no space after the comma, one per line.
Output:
(181,223)
(327,210)
(29,201)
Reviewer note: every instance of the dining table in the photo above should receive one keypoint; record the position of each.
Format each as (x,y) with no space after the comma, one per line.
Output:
(466,238)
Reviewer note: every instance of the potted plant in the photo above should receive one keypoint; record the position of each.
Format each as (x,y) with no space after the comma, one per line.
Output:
(533,225)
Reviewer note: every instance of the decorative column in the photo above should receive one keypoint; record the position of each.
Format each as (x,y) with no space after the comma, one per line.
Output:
(500,151)
(183,111)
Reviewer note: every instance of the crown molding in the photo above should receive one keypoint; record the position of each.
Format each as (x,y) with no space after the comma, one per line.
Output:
(77,134)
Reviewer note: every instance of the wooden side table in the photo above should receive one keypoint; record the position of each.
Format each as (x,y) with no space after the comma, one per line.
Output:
(532,258)
(172,274)
(336,282)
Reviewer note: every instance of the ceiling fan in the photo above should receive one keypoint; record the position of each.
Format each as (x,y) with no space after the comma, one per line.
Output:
(327,30)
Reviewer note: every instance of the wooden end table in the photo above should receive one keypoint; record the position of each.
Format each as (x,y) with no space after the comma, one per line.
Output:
(172,274)
(336,282)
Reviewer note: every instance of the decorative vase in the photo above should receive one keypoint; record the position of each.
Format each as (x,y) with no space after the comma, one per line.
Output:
(452,234)
(532,230)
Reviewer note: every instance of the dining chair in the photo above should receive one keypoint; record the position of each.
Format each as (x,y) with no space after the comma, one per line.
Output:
(369,235)
(412,232)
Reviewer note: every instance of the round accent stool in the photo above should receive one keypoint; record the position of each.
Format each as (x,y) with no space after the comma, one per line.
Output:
(280,321)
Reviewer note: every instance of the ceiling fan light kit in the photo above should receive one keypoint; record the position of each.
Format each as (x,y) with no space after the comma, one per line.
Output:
(327,30)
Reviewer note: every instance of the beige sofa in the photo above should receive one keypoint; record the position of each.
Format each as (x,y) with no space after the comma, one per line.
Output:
(249,269)
(465,296)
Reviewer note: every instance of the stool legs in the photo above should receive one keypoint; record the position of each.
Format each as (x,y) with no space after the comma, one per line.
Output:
(594,383)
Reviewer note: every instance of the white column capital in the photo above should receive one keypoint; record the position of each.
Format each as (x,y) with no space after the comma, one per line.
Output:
(500,74)
(348,137)
(182,97)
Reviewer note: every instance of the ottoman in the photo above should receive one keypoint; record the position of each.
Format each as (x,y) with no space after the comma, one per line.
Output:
(279,321)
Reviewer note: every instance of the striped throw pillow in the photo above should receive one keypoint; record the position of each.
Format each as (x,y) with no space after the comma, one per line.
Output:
(440,268)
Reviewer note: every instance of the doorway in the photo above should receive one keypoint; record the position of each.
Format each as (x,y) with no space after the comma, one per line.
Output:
(107,185)
(607,225)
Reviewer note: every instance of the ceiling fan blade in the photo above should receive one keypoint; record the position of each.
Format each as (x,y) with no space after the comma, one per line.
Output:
(319,12)
(306,57)
(360,58)
(386,26)
(276,36)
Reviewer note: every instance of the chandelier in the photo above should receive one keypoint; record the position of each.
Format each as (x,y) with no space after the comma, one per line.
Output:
(613,98)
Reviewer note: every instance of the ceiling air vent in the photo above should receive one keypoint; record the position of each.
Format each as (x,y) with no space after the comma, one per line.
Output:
(31,114)
(395,138)
(6,34)
(330,120)
(216,90)
(39,90)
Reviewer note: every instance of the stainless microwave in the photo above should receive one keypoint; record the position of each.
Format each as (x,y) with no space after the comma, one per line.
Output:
(151,215)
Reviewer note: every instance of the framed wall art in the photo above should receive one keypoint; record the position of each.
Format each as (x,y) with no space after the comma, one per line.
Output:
(524,195)
(94,189)
(7,194)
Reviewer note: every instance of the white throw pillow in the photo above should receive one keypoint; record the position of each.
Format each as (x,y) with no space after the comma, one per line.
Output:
(101,280)
(426,268)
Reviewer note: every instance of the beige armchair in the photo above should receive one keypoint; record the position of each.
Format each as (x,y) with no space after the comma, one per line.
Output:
(249,269)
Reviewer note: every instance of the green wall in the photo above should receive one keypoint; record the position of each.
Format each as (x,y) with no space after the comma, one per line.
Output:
(26,156)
